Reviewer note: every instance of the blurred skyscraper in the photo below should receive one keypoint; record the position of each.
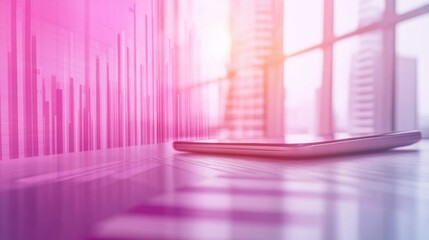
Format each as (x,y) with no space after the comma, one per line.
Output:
(370,82)
(364,90)
(406,94)
(253,26)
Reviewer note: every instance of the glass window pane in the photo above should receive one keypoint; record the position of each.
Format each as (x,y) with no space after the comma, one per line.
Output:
(213,34)
(349,15)
(303,78)
(343,54)
(403,6)
(303,24)
(412,58)
(357,72)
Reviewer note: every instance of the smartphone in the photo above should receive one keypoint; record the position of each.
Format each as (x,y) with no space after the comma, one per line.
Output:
(301,147)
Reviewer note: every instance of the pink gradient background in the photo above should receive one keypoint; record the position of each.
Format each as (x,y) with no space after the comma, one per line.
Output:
(83,75)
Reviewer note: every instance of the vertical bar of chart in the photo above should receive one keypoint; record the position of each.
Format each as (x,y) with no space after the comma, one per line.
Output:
(98,104)
(108,108)
(72,117)
(120,112)
(13,87)
(59,120)
(46,122)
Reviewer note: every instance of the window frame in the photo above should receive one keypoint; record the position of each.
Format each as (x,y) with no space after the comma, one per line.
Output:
(387,26)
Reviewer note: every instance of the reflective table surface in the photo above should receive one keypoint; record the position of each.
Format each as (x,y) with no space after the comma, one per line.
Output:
(152,192)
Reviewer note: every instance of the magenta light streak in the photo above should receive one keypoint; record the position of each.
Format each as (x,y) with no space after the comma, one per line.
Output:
(1,145)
